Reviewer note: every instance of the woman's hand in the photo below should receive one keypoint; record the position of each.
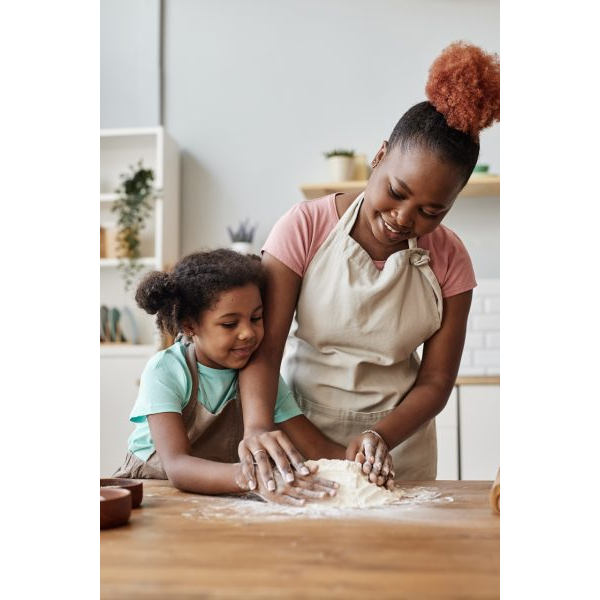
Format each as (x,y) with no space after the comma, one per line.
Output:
(256,450)
(304,487)
(370,450)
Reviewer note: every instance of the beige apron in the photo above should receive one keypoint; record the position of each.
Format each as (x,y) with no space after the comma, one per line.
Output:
(350,358)
(212,436)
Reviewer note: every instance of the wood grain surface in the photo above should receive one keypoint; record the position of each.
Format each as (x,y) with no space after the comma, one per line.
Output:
(177,545)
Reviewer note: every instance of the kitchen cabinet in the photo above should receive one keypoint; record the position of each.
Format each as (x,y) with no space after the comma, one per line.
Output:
(468,430)
(447,439)
(479,431)
(119,383)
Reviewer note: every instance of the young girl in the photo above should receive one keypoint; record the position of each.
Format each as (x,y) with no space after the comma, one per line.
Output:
(188,417)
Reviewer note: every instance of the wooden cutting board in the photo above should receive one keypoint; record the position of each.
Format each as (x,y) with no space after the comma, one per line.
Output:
(179,545)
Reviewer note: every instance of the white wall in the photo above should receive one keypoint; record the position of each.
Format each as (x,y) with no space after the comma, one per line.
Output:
(256,91)
(129,63)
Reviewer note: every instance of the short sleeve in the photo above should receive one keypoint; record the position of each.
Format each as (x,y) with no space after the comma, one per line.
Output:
(164,387)
(450,261)
(460,275)
(289,240)
(286,406)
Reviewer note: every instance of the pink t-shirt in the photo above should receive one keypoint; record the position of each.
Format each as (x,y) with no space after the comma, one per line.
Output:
(299,233)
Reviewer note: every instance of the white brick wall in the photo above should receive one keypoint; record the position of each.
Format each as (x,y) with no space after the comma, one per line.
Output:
(481,355)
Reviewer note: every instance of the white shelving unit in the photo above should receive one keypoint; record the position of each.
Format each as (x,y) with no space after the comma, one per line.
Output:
(121,365)
(120,149)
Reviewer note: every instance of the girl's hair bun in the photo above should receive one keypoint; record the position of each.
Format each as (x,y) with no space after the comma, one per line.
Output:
(155,292)
(464,86)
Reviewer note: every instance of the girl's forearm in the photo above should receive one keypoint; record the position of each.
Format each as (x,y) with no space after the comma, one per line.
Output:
(191,474)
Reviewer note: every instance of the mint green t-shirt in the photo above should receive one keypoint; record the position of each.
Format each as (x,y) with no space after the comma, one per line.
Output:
(166,385)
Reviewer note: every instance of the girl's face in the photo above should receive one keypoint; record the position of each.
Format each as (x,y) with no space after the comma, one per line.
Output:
(407,195)
(227,334)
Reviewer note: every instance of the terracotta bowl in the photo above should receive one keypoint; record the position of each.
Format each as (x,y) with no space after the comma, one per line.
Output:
(134,486)
(115,507)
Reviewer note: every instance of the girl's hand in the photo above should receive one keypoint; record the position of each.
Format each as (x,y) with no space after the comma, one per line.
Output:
(371,452)
(304,487)
(256,450)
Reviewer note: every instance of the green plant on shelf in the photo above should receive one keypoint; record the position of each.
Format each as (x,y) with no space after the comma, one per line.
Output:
(133,207)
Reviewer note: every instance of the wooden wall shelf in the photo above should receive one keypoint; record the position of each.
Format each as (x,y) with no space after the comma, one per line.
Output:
(478,186)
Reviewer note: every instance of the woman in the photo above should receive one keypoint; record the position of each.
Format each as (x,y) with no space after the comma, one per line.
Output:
(366,279)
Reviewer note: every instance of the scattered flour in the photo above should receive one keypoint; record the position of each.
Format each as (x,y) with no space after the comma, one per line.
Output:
(356,498)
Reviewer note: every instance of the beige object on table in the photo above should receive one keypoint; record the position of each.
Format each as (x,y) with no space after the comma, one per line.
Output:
(495,493)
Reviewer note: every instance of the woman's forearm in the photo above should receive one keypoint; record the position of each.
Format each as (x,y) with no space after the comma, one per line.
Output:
(191,474)
(259,382)
(422,403)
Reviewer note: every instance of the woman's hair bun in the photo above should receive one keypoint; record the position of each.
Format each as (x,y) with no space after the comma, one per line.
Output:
(464,86)
(155,292)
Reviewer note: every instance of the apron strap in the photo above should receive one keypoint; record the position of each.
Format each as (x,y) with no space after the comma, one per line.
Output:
(189,412)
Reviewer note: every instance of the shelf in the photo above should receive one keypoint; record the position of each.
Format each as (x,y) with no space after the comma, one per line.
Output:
(478,380)
(478,185)
(107,349)
(149,261)
(109,197)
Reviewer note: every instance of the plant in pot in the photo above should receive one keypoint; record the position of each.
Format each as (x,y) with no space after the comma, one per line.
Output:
(133,207)
(241,238)
(341,164)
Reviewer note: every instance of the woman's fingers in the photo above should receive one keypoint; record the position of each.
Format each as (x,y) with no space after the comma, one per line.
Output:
(293,456)
(261,458)
(247,465)
(380,454)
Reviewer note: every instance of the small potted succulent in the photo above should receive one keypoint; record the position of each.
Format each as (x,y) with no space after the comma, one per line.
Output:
(242,237)
(341,164)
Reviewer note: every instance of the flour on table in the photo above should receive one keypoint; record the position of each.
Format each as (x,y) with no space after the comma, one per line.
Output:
(355,490)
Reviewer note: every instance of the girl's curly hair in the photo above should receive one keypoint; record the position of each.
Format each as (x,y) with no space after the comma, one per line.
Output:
(195,284)
(463,91)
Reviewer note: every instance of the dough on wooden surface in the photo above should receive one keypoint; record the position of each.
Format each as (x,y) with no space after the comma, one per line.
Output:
(355,490)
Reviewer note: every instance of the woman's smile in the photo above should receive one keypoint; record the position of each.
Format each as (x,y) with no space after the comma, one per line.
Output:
(392,233)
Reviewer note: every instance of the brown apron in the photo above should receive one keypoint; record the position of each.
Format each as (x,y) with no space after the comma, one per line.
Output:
(212,436)
(350,358)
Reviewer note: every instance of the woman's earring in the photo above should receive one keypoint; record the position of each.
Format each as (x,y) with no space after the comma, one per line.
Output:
(374,164)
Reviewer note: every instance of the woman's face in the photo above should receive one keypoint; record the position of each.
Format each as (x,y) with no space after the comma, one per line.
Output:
(227,334)
(407,195)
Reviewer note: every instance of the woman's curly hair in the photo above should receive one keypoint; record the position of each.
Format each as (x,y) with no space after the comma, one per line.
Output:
(463,91)
(195,284)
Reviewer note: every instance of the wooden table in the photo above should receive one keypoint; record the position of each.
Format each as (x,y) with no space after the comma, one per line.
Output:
(179,545)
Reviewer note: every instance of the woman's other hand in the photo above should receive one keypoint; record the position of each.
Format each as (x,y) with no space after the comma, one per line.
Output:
(304,487)
(370,451)
(256,450)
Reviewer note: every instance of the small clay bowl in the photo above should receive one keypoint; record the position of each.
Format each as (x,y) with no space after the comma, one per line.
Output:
(115,507)
(135,487)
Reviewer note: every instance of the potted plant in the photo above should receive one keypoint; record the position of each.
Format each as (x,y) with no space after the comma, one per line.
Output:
(133,207)
(241,238)
(341,164)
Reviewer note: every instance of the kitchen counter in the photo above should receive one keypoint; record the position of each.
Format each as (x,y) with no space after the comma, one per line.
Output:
(443,542)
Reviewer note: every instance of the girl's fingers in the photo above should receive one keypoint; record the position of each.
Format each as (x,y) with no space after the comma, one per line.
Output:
(359,458)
